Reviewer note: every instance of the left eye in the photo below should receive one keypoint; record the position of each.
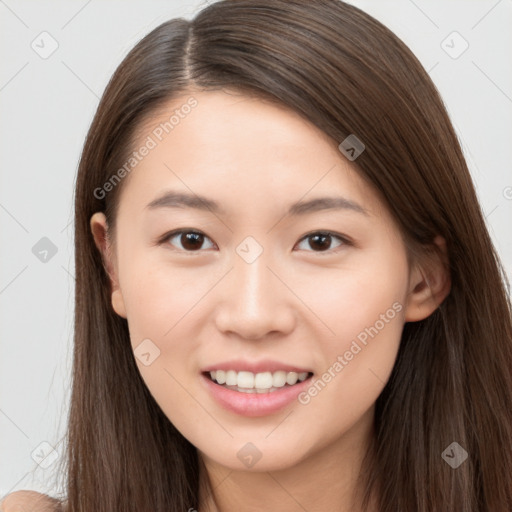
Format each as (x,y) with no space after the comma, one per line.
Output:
(322,240)
(192,241)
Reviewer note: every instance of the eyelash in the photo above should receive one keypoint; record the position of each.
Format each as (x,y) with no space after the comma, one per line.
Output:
(344,240)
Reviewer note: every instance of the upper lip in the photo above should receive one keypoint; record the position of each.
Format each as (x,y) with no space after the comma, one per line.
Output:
(265,365)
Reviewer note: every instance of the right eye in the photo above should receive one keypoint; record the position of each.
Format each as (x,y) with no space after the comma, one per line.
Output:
(187,240)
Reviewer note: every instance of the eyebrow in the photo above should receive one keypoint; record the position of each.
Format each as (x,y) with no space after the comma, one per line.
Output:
(171,199)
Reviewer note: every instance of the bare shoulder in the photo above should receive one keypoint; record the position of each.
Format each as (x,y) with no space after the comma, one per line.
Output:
(30,501)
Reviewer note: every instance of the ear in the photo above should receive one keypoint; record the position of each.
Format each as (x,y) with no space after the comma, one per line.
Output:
(99,229)
(429,283)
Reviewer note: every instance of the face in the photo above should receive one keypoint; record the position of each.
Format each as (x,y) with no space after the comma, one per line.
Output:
(257,277)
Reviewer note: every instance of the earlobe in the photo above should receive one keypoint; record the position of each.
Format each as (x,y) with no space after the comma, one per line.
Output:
(429,284)
(118,303)
(99,229)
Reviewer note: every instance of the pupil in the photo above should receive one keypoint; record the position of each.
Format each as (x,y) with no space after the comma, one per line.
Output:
(191,240)
(316,238)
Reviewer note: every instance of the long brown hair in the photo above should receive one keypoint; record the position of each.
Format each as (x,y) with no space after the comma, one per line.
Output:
(347,74)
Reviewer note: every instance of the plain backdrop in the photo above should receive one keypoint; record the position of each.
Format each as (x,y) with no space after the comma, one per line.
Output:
(47,103)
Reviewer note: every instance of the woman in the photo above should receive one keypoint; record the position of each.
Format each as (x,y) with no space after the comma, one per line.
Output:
(286,295)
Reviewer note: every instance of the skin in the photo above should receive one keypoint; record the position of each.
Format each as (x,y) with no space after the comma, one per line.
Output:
(28,501)
(295,303)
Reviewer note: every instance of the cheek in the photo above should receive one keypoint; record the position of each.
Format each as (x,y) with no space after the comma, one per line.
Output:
(163,304)
(160,308)
(364,309)
(159,296)
(351,299)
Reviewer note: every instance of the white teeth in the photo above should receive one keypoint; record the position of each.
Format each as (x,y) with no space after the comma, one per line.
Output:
(279,379)
(291,378)
(260,382)
(231,378)
(263,380)
(245,380)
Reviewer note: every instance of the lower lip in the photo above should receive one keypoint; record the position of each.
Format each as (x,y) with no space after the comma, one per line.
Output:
(254,404)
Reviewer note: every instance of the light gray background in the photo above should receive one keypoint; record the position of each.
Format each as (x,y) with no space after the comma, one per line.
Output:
(46,108)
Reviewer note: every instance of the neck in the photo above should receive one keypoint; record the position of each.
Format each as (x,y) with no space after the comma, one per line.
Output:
(325,481)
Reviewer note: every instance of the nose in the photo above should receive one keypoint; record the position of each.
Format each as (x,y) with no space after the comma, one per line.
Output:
(256,302)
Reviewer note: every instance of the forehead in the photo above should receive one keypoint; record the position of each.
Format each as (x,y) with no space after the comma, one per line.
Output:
(233,146)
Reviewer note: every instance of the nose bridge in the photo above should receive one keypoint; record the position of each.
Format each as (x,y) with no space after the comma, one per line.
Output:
(252,279)
(254,302)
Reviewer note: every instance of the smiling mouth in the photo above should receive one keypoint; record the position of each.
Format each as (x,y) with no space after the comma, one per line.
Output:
(264,382)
